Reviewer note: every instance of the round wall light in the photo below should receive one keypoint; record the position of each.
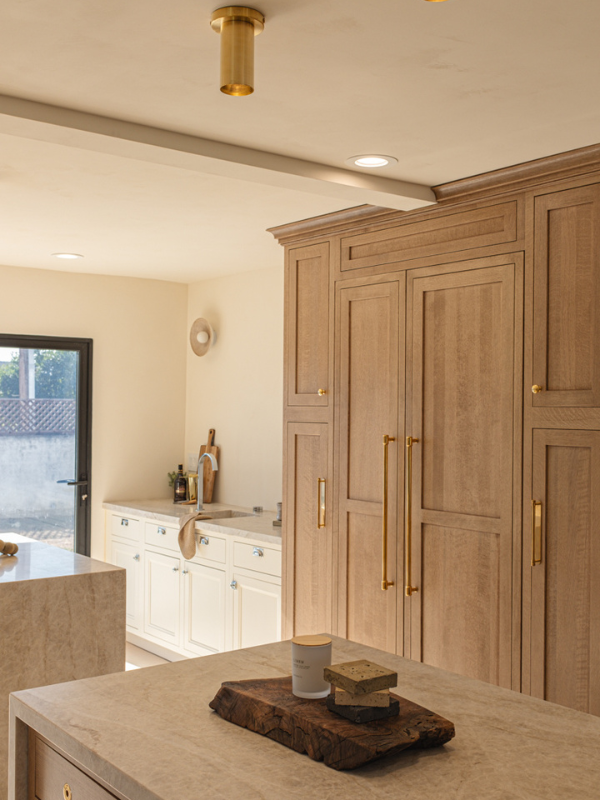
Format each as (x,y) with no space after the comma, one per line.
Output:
(67,255)
(202,336)
(371,161)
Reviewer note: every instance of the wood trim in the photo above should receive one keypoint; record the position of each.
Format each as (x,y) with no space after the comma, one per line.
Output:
(521,176)
(314,226)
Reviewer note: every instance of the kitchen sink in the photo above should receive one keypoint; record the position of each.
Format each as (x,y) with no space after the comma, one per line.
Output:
(225,513)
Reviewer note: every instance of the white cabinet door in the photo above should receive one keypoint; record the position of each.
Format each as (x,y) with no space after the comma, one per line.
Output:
(161,618)
(256,611)
(130,558)
(204,609)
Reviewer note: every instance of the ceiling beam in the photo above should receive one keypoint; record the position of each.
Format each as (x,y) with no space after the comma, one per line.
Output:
(64,126)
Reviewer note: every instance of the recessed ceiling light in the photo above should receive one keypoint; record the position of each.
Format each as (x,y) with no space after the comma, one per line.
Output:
(67,255)
(371,161)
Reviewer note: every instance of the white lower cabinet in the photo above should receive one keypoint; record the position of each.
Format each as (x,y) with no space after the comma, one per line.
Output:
(129,557)
(162,597)
(228,596)
(256,610)
(204,618)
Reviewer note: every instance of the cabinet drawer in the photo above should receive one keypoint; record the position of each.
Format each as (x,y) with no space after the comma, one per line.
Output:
(160,535)
(125,527)
(210,547)
(257,558)
(53,773)
(464,230)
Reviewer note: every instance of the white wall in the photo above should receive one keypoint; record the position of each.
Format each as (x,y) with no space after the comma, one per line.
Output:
(139,332)
(237,387)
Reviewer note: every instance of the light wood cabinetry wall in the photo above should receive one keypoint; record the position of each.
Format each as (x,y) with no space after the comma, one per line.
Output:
(435,325)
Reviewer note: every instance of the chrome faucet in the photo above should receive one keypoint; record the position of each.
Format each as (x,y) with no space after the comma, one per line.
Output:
(215,466)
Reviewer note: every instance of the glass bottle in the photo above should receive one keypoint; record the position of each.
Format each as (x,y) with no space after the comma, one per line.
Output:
(179,487)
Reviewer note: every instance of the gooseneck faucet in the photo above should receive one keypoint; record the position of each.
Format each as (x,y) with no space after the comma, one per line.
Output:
(215,466)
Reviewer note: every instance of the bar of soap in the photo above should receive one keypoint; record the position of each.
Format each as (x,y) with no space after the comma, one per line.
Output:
(362,714)
(380,699)
(360,677)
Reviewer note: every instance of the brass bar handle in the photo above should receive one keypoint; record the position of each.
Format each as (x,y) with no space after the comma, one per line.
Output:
(409,588)
(536,533)
(321,503)
(385,584)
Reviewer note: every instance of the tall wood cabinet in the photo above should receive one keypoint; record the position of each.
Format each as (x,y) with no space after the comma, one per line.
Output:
(442,414)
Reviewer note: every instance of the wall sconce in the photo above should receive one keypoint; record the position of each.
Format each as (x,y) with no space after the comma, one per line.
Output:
(202,337)
(237,26)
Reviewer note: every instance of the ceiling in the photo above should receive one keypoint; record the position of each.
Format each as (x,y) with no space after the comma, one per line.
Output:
(450,89)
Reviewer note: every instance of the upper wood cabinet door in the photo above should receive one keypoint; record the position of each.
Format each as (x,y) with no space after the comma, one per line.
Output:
(307,326)
(370,347)
(566,316)
(307,543)
(463,368)
(565,586)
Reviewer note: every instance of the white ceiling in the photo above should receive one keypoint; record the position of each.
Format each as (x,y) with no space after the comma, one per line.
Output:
(450,89)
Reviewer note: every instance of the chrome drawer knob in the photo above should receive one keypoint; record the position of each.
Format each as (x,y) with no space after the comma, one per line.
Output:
(203,540)
(233,584)
(184,571)
(123,522)
(258,552)
(162,531)
(137,557)
(175,569)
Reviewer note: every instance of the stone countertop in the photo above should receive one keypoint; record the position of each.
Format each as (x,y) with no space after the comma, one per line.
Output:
(244,524)
(150,735)
(38,560)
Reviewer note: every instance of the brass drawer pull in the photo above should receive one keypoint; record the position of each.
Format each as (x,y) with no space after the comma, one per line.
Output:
(67,793)
(409,588)
(321,392)
(321,502)
(536,389)
(536,533)
(385,584)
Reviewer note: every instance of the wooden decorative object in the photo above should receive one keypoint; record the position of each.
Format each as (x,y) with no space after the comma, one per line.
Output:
(360,677)
(208,475)
(268,707)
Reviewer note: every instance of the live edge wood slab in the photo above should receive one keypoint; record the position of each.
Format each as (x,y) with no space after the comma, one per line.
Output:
(268,707)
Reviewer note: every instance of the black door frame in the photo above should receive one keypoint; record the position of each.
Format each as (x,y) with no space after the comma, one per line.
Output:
(83,507)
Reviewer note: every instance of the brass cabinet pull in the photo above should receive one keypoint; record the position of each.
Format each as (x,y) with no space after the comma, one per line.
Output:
(536,533)
(409,589)
(67,793)
(385,584)
(536,389)
(320,502)
(321,392)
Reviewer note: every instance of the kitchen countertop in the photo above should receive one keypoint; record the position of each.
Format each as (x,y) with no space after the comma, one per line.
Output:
(38,560)
(150,735)
(247,524)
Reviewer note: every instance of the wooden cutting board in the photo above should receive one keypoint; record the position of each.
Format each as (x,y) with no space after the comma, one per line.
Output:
(208,477)
(268,707)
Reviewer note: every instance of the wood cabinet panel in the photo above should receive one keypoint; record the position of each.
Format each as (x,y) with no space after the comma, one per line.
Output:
(161,617)
(307,325)
(204,618)
(370,346)
(461,230)
(462,375)
(566,347)
(565,586)
(307,547)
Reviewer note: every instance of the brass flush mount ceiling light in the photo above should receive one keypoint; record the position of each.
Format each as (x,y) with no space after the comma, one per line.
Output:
(237,25)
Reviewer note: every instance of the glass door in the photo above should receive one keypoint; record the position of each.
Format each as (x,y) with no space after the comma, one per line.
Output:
(45,440)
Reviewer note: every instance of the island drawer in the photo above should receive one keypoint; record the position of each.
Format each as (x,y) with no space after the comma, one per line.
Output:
(159,535)
(210,547)
(257,558)
(55,777)
(125,527)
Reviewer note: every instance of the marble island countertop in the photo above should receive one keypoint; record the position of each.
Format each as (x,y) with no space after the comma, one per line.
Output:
(244,523)
(150,735)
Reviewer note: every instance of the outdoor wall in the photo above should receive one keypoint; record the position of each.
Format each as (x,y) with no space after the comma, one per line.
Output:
(237,387)
(139,332)
(30,467)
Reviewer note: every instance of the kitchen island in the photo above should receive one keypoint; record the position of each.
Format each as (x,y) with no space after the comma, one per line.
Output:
(149,735)
(62,617)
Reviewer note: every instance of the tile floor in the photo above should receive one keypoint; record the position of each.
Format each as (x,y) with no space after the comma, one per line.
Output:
(136,658)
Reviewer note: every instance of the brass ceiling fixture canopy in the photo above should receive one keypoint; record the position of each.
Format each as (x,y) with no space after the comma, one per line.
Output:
(237,25)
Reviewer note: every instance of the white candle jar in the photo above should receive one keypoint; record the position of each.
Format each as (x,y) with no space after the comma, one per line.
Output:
(310,656)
